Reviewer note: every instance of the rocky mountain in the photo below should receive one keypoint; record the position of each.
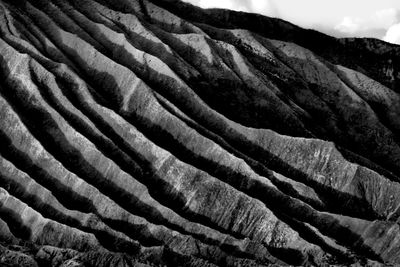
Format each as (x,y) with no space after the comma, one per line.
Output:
(156,133)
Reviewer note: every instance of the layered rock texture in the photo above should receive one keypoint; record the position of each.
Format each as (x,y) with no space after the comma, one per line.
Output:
(155,133)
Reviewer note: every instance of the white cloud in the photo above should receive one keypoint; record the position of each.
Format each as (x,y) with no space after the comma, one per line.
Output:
(265,7)
(383,24)
(213,3)
(259,5)
(385,18)
(393,34)
(372,26)
(227,4)
(350,25)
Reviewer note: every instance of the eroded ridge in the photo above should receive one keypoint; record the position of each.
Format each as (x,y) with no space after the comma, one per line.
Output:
(152,133)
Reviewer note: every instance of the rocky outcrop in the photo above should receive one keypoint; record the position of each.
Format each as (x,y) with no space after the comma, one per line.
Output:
(153,133)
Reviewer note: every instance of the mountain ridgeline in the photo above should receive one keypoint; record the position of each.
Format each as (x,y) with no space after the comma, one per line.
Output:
(156,133)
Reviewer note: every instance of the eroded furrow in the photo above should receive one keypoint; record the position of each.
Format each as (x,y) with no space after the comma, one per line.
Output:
(128,126)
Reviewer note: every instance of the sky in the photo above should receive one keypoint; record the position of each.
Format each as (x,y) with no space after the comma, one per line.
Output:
(341,18)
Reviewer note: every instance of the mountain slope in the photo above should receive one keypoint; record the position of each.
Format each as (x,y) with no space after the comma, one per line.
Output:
(146,133)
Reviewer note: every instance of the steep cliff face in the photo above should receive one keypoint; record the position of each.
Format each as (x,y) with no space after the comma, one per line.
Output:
(153,133)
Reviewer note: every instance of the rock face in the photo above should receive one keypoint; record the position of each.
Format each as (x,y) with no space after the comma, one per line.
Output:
(155,133)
